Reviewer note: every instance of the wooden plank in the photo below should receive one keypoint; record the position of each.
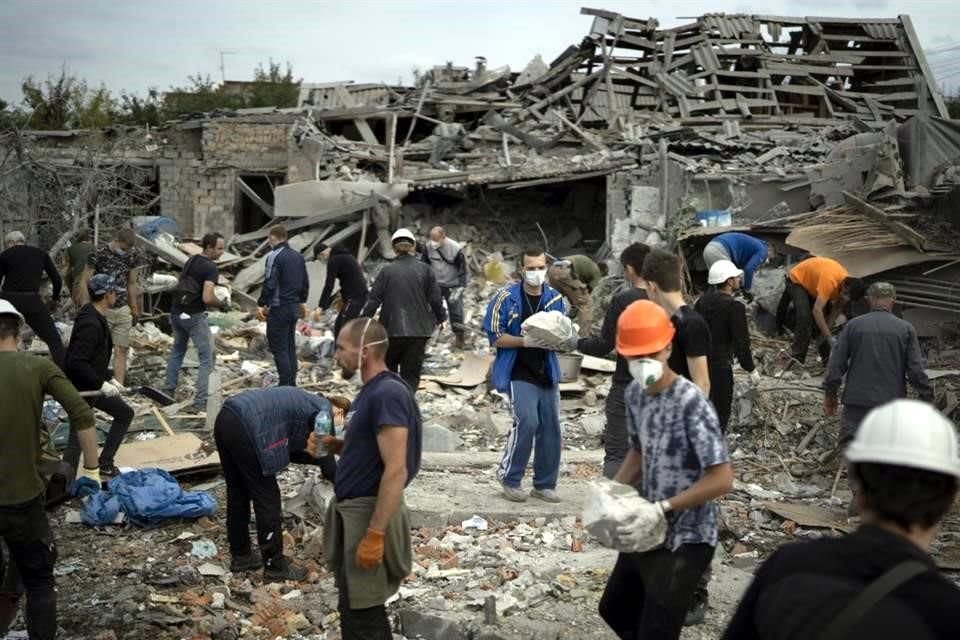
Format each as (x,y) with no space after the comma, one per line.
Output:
(933,91)
(799,89)
(730,74)
(257,200)
(333,215)
(841,37)
(391,146)
(558,95)
(905,233)
(893,82)
(347,100)
(782,69)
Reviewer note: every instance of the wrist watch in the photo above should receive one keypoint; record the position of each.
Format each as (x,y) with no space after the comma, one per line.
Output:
(665,506)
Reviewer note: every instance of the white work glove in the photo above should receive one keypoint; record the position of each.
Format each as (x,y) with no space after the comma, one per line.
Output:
(569,344)
(644,531)
(109,390)
(755,378)
(531,342)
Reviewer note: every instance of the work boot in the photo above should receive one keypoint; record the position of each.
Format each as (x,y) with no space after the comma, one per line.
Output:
(280,569)
(109,470)
(246,562)
(698,609)
(459,342)
(547,495)
(514,494)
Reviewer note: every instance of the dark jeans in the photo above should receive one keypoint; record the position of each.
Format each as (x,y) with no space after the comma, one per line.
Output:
(803,324)
(37,317)
(850,418)
(358,624)
(615,440)
(351,310)
(721,392)
(122,415)
(281,328)
(648,594)
(454,309)
(245,482)
(25,529)
(405,357)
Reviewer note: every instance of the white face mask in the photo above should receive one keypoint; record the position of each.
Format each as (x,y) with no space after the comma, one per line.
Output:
(646,371)
(535,278)
(356,379)
(434,244)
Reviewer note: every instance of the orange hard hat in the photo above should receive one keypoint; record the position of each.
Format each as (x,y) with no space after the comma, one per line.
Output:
(643,329)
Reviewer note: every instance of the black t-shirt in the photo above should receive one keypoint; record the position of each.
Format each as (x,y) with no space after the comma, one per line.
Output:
(202,269)
(691,339)
(384,400)
(803,587)
(531,364)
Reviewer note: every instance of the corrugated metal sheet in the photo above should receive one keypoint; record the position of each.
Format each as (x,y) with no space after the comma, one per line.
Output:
(677,84)
(325,97)
(730,26)
(705,56)
(882,31)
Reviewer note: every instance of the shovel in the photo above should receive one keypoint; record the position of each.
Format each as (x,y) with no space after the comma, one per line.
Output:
(151,393)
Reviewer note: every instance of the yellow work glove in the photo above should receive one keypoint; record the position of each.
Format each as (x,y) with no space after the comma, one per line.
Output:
(370,549)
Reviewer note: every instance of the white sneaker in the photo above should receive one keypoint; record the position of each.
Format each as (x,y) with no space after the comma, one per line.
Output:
(547,495)
(514,494)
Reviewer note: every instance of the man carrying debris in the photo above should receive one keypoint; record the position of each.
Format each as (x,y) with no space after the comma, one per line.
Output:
(122,261)
(258,433)
(729,336)
(21,269)
(818,288)
(746,252)
(878,582)
(529,373)
(411,308)
(188,317)
(678,459)
(878,352)
(691,343)
(77,254)
(282,301)
(87,365)
(445,257)
(342,266)
(575,277)
(25,379)
(615,442)
(367,530)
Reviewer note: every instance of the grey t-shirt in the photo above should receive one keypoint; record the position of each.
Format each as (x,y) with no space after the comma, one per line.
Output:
(678,433)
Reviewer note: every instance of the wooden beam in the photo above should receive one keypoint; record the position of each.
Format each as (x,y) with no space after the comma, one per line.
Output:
(391,147)
(347,100)
(905,233)
(333,215)
(257,200)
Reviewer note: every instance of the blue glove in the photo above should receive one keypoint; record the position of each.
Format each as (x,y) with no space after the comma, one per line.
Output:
(84,487)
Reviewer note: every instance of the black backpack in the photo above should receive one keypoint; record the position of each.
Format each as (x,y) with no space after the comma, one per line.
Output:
(188,291)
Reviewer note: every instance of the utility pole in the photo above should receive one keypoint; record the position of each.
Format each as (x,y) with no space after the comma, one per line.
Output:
(223,72)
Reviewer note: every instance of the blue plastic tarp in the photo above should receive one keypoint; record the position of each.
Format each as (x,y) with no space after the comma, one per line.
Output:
(147,497)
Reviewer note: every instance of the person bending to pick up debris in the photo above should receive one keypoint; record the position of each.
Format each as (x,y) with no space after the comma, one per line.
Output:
(282,301)
(529,372)
(342,266)
(729,336)
(678,458)
(691,342)
(21,269)
(615,443)
(367,529)
(878,582)
(445,257)
(411,308)
(575,277)
(746,252)
(25,379)
(87,366)
(258,433)
(121,260)
(818,288)
(188,317)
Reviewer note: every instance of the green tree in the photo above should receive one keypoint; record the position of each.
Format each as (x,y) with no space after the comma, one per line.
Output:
(200,95)
(273,87)
(66,102)
(141,111)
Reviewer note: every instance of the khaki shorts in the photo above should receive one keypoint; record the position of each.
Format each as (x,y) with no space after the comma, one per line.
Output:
(120,321)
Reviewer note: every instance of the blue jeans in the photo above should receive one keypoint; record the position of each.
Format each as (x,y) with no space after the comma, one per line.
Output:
(536,427)
(281,327)
(197,329)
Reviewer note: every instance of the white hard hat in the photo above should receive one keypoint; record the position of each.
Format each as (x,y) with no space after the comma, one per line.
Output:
(7,309)
(907,433)
(403,234)
(721,271)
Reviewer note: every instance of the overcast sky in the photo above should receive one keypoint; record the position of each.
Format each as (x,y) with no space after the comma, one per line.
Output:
(135,45)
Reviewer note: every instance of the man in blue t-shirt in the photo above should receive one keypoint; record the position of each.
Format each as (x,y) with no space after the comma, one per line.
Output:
(745,251)
(678,459)
(367,532)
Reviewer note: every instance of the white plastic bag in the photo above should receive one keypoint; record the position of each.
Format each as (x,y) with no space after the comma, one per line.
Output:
(550,328)
(610,505)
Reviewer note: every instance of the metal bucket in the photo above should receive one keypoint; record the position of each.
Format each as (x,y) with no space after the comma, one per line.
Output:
(570,366)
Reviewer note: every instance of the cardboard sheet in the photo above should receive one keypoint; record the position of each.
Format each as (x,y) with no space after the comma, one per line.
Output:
(473,371)
(808,515)
(177,453)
